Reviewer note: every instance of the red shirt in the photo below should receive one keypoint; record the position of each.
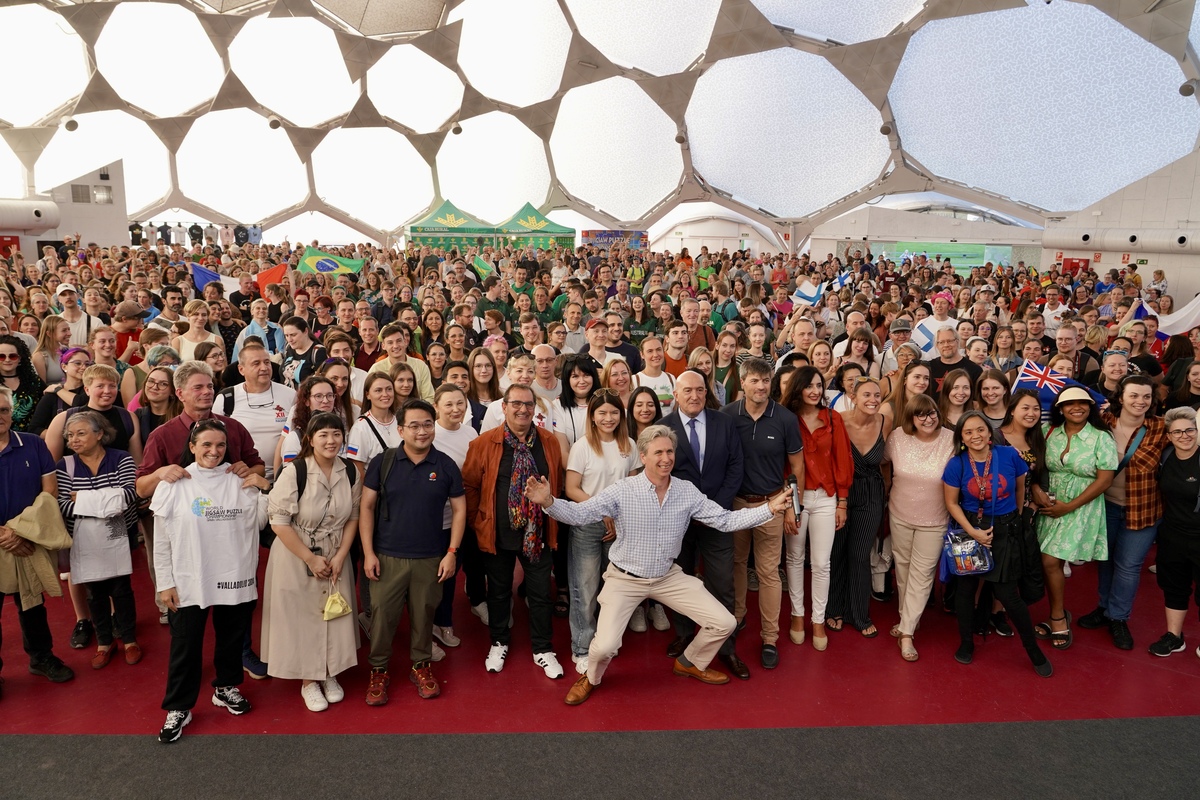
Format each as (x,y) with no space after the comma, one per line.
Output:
(167,442)
(123,340)
(828,462)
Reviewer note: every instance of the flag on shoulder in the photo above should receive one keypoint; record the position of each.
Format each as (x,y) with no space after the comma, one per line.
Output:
(1049,384)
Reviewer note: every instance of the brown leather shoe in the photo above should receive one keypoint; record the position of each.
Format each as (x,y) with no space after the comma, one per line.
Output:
(710,676)
(133,653)
(581,691)
(102,657)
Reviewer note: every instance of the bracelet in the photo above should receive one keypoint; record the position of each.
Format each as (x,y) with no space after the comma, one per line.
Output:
(453,551)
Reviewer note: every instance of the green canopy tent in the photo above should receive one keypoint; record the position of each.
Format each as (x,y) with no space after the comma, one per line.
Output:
(448,227)
(530,227)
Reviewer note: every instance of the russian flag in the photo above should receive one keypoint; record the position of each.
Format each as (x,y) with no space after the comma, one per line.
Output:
(351,450)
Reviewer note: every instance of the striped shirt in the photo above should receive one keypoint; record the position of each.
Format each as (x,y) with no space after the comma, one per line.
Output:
(116,471)
(649,533)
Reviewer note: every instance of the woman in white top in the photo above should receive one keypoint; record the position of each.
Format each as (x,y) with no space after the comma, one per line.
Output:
(207,519)
(653,376)
(603,456)
(316,394)
(196,313)
(376,430)
(580,380)
(452,437)
(309,559)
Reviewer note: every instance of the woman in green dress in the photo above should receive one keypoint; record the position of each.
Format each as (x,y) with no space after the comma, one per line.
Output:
(1081,457)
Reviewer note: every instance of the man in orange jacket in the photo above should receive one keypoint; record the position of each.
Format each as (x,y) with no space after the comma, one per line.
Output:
(509,527)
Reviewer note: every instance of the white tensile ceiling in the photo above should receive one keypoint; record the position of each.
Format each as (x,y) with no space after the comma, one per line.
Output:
(367,113)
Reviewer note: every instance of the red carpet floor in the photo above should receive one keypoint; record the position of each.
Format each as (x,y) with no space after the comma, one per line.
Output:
(856,681)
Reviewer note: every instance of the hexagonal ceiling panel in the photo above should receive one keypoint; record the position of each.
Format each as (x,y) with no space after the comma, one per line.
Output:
(308,90)
(411,88)
(845,21)
(784,160)
(103,138)
(239,140)
(633,32)
(513,50)
(30,32)
(377,17)
(493,167)
(165,75)
(383,192)
(625,165)
(1046,125)
(313,226)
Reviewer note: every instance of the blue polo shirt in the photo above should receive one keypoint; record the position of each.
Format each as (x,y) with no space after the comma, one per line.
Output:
(22,465)
(416,496)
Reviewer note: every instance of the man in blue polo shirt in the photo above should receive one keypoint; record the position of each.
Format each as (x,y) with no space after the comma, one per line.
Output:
(406,551)
(26,470)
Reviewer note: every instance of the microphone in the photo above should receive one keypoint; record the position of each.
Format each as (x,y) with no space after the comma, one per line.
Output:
(797,505)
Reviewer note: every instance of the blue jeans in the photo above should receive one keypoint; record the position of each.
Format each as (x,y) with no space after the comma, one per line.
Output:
(1119,575)
(588,558)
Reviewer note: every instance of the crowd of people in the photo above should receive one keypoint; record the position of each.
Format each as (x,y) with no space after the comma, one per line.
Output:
(658,439)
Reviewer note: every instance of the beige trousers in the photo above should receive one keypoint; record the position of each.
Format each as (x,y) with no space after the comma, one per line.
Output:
(681,592)
(916,551)
(767,540)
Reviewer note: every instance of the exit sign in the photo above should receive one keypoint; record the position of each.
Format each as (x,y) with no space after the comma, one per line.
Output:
(1143,262)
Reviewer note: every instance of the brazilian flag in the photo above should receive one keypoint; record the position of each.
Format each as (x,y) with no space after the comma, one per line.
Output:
(315,260)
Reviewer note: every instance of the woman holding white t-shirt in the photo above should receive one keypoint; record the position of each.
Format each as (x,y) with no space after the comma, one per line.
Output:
(207,520)
(453,437)
(376,430)
(603,456)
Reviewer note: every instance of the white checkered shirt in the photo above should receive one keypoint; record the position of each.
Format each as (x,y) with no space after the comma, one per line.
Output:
(649,534)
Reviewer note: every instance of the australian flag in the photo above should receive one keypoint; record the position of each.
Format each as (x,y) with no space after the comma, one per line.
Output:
(1048,384)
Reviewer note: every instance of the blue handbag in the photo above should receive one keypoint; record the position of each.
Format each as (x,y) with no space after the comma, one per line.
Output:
(961,554)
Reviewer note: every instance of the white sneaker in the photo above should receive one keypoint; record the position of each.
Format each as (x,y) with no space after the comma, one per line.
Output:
(581,664)
(481,612)
(495,657)
(1066,570)
(332,690)
(446,636)
(313,698)
(637,623)
(658,618)
(549,664)
(438,653)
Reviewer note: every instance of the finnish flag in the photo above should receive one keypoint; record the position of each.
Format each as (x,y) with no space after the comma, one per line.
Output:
(807,294)
(922,337)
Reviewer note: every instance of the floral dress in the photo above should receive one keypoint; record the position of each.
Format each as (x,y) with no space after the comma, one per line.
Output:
(1082,534)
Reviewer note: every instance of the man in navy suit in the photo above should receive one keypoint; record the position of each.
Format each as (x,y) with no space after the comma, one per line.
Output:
(710,456)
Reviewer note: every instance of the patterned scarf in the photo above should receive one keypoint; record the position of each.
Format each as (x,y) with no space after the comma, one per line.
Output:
(524,514)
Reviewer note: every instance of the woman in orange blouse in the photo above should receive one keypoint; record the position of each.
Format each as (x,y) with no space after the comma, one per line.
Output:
(828,473)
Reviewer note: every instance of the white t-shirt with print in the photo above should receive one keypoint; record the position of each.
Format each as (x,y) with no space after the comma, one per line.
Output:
(663,386)
(263,415)
(362,444)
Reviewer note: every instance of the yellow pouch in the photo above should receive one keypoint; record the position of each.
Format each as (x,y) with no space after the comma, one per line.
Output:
(336,606)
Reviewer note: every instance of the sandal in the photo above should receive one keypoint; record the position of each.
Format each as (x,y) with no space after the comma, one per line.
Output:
(869,632)
(834,623)
(895,631)
(1059,640)
(562,606)
(907,651)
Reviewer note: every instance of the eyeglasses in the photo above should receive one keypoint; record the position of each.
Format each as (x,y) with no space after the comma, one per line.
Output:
(79,363)
(416,427)
(321,397)
(158,384)
(10,356)
(925,414)
(1182,432)
(519,404)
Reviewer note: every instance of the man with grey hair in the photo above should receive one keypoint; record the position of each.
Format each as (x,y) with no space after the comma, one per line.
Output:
(651,513)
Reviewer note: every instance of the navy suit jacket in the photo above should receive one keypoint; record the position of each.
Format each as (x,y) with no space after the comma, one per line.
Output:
(722,474)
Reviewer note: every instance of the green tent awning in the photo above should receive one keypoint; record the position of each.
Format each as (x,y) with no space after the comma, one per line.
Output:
(530,227)
(449,227)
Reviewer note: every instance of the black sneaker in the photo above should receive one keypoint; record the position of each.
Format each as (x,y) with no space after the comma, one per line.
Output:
(999,623)
(172,729)
(52,669)
(1044,669)
(229,697)
(1119,630)
(964,653)
(1168,644)
(254,666)
(81,637)
(770,656)
(1098,618)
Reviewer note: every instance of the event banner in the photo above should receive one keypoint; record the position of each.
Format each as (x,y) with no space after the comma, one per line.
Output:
(633,240)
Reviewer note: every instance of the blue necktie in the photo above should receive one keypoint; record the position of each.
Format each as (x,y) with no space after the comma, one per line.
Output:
(695,441)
